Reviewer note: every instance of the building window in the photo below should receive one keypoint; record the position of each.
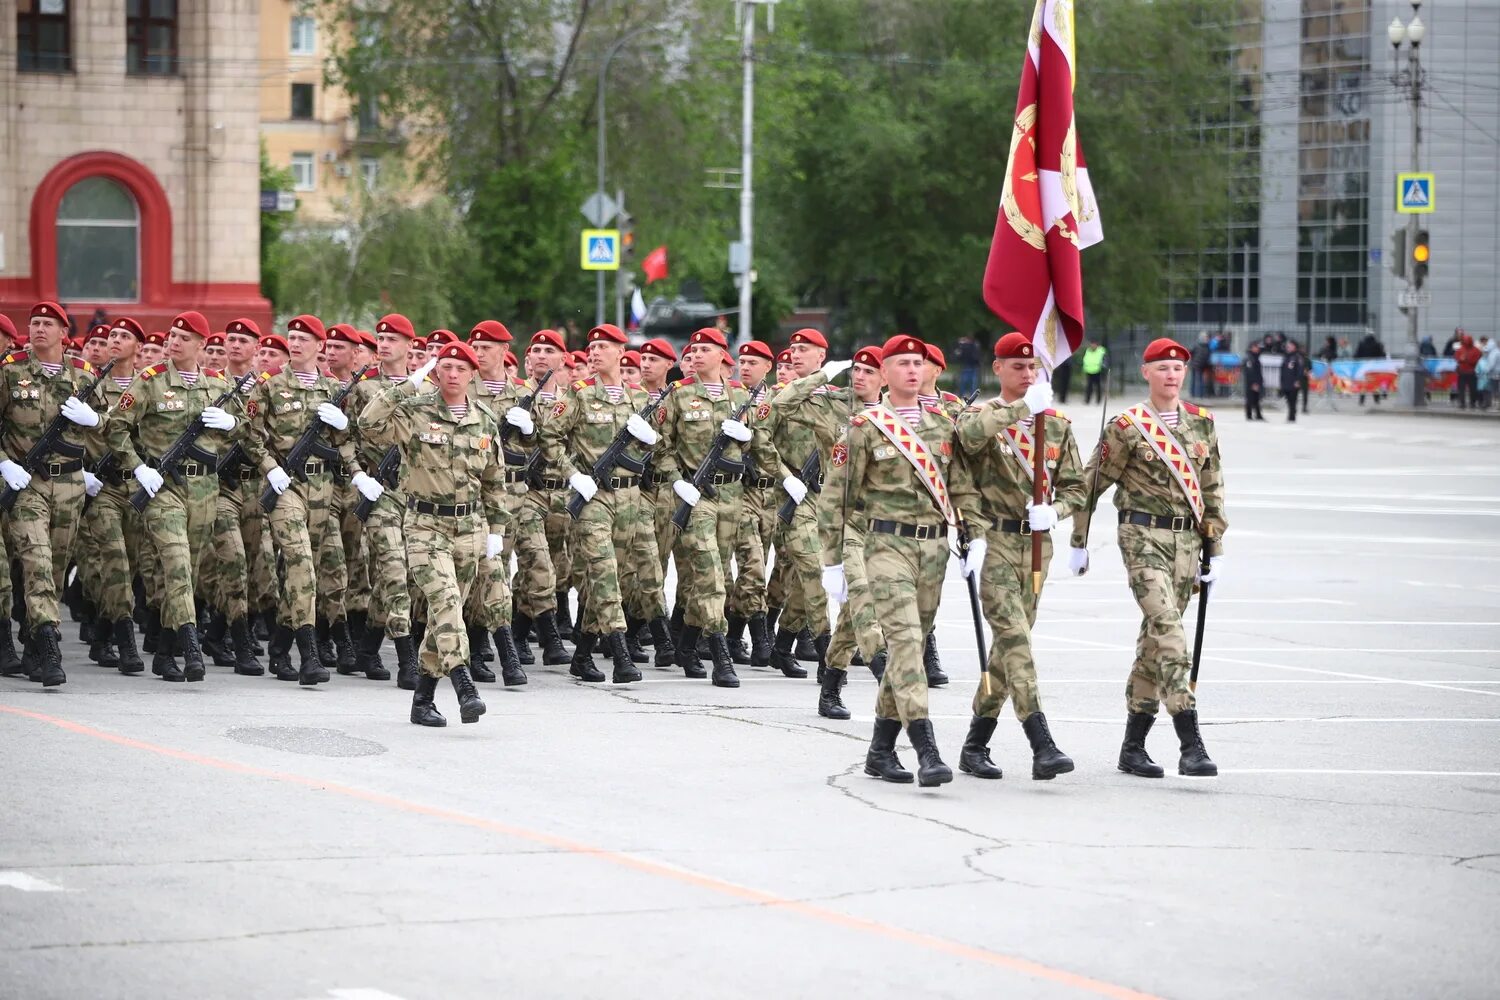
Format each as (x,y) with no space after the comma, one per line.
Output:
(369,115)
(369,169)
(304,172)
(304,36)
(43,36)
(98,243)
(151,37)
(302,100)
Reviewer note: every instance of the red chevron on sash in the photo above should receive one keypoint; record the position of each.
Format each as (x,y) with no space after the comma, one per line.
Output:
(1023,445)
(1168,450)
(914,450)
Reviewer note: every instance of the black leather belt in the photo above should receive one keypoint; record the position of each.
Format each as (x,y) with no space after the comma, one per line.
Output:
(722,479)
(514,477)
(63,468)
(656,479)
(315,468)
(762,482)
(1013,527)
(621,482)
(549,483)
(921,532)
(1157,521)
(194,469)
(443,509)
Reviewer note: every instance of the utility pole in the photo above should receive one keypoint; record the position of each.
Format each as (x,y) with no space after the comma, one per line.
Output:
(745,11)
(1412,34)
(620,274)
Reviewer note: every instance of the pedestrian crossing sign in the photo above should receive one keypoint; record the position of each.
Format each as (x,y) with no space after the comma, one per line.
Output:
(1414,193)
(600,250)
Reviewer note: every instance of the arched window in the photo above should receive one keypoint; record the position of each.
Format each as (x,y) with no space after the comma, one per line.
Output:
(98,243)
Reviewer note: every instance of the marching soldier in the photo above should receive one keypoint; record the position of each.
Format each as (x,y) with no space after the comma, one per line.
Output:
(999,443)
(1163,454)
(657,358)
(746,605)
(342,609)
(931,395)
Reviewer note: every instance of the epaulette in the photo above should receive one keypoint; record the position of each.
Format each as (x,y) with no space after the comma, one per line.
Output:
(212,373)
(83,366)
(859,420)
(372,373)
(271,372)
(482,408)
(936,409)
(155,369)
(635,386)
(1122,422)
(1057,413)
(778,387)
(583,383)
(1197,411)
(948,397)
(736,385)
(680,383)
(15,356)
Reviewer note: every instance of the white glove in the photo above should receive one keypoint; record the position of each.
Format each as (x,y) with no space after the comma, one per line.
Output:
(369,487)
(279,480)
(736,430)
(333,416)
(520,419)
(974,561)
(150,479)
(834,584)
(834,369)
(1043,516)
(795,488)
(15,477)
(1078,561)
(215,418)
(583,484)
(493,544)
(687,492)
(80,412)
(92,484)
(640,430)
(421,373)
(1038,397)
(1212,576)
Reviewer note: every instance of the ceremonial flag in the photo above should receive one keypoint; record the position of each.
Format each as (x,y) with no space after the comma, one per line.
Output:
(1033,279)
(637,308)
(655,265)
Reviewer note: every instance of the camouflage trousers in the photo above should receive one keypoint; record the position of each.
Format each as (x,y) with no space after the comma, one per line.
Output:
(390,597)
(488,604)
(662,501)
(352,535)
(105,544)
(444,554)
(228,579)
(333,566)
(602,538)
(798,546)
(1160,565)
(642,576)
(752,543)
(558,526)
(41,528)
(301,525)
(856,627)
(179,520)
(776,580)
(906,582)
(1010,608)
(535,581)
(700,569)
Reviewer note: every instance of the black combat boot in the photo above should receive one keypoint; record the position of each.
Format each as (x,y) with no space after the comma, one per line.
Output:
(760,641)
(49,656)
(102,649)
(687,652)
(582,665)
(163,664)
(191,652)
(626,672)
(470,707)
(423,711)
(724,675)
(930,767)
(877,665)
(311,670)
(281,654)
(643,634)
(554,652)
(151,631)
(806,650)
(881,760)
(821,644)
(343,645)
(477,670)
(782,657)
(327,655)
(1133,756)
(521,635)
(1194,762)
(245,663)
(564,617)
(830,705)
(632,641)
(85,615)
(10,663)
(1047,762)
(31,664)
(130,660)
(772,613)
(735,640)
(676,623)
(661,636)
(265,625)
(974,758)
(483,651)
(213,640)
(935,676)
(368,657)
(510,661)
(356,623)
(418,633)
(857,658)
(406,662)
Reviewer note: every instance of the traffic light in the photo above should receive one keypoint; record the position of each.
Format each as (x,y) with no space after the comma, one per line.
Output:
(1398,253)
(627,236)
(1420,252)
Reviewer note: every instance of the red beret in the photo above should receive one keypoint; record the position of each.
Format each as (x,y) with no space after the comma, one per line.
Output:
(757,349)
(396,323)
(244,327)
(458,349)
(1164,349)
(307,324)
(660,348)
(785,357)
(156,337)
(551,337)
(7,327)
(868,356)
(631,358)
(490,331)
(902,343)
(579,358)
(275,340)
(1014,345)
(607,331)
(343,333)
(367,339)
(810,336)
(192,322)
(50,310)
(214,340)
(442,337)
(99,331)
(419,343)
(935,355)
(510,359)
(709,335)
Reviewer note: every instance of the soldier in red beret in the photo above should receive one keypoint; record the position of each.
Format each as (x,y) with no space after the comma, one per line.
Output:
(630,367)
(1163,454)
(153,349)
(96,345)
(746,603)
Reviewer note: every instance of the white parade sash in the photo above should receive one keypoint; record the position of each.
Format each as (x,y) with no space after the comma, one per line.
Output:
(1162,441)
(912,448)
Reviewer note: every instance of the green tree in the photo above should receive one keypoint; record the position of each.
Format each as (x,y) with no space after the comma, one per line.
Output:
(272,226)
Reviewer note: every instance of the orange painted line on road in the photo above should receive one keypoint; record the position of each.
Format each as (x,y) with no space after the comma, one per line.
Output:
(812,911)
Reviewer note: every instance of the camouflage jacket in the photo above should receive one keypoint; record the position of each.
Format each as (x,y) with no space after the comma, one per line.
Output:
(807,414)
(584,424)
(368,454)
(30,398)
(688,423)
(280,409)
(1004,486)
(1146,484)
(158,407)
(550,403)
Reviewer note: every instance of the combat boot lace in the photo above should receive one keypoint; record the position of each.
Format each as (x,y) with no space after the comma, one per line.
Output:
(724,675)
(477,669)
(735,640)
(130,660)
(343,646)
(582,665)
(163,664)
(423,710)
(102,649)
(521,633)
(930,663)
(312,671)
(554,653)
(470,707)
(661,641)
(633,629)
(1194,762)
(931,770)
(510,660)
(760,641)
(687,652)
(191,652)
(245,663)
(830,705)
(625,670)
(327,655)
(1047,762)
(1133,756)
(406,662)
(974,758)
(881,760)
(49,656)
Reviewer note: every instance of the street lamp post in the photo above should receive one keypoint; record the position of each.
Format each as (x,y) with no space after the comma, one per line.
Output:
(1410,79)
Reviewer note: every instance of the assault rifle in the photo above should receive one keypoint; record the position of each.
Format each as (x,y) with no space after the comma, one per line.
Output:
(507,431)
(616,455)
(310,445)
(811,476)
(51,442)
(186,447)
(385,475)
(713,461)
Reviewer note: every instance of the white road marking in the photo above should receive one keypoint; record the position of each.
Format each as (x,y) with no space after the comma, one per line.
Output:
(27,883)
(1362,508)
(1354,771)
(1365,677)
(1269,720)
(1222,600)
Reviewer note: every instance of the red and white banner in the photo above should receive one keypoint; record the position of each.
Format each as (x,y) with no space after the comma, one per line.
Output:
(1048,214)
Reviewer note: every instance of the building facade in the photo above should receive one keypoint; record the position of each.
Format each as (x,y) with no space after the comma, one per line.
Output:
(129,160)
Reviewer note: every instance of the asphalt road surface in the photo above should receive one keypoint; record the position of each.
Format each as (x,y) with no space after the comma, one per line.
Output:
(244,838)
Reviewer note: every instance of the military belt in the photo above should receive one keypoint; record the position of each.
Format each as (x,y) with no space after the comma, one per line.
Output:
(512,478)
(762,482)
(1171,523)
(621,482)
(656,479)
(315,467)
(722,479)
(63,468)
(921,532)
(194,469)
(443,509)
(553,483)
(1013,527)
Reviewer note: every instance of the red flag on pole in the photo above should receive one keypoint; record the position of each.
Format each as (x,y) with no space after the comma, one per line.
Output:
(655,265)
(1048,214)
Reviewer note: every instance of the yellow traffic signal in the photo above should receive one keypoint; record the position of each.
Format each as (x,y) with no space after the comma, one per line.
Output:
(1421,252)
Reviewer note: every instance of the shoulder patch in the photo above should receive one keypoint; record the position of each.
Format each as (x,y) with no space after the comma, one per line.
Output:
(1198,411)
(1122,422)
(684,382)
(155,369)
(83,365)
(935,409)
(213,373)
(859,420)
(583,383)
(15,356)
(949,397)
(1059,414)
(372,373)
(736,385)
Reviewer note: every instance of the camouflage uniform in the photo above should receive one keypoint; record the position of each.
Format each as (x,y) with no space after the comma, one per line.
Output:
(109,529)
(390,597)
(489,605)
(760,496)
(231,589)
